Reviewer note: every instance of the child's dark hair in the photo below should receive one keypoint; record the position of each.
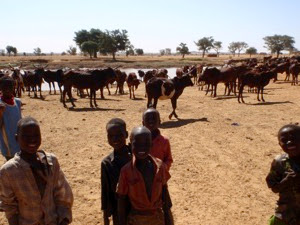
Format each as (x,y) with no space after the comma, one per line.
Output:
(295,127)
(116,121)
(26,121)
(153,110)
(6,80)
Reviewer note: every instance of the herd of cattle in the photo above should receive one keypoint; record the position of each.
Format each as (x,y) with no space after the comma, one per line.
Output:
(158,85)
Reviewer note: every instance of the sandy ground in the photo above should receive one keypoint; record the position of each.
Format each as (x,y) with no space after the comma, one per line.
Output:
(219,170)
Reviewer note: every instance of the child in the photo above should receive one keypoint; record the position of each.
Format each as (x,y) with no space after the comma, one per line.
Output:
(10,114)
(33,189)
(284,177)
(160,145)
(144,182)
(111,166)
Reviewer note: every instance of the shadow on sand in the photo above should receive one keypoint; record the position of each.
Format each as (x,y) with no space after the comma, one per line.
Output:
(271,103)
(86,109)
(181,122)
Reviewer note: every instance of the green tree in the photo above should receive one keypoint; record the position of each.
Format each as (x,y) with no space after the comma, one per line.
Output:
(183,49)
(241,46)
(2,52)
(233,46)
(162,52)
(251,51)
(217,45)
(90,47)
(113,41)
(168,51)
(10,49)
(205,44)
(129,50)
(37,51)
(15,51)
(139,51)
(72,50)
(278,43)
(82,36)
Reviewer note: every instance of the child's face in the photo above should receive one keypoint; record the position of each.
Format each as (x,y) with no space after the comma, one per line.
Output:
(116,136)
(289,141)
(141,145)
(7,89)
(151,120)
(29,138)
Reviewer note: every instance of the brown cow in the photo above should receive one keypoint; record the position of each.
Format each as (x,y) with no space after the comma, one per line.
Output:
(295,70)
(133,83)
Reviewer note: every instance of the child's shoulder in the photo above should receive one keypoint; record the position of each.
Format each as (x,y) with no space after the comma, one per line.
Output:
(280,160)
(107,159)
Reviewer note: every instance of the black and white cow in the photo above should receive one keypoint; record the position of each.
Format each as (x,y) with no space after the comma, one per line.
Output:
(161,88)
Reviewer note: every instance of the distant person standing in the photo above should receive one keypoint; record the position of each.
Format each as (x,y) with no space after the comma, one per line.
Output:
(10,114)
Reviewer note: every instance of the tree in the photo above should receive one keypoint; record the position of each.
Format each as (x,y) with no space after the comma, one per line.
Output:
(240,46)
(217,45)
(84,35)
(233,48)
(168,51)
(72,50)
(139,51)
(10,49)
(37,51)
(251,51)
(2,52)
(205,44)
(90,47)
(278,43)
(15,51)
(162,52)
(183,49)
(129,50)
(113,41)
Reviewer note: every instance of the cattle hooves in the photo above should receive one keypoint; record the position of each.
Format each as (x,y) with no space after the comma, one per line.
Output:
(170,116)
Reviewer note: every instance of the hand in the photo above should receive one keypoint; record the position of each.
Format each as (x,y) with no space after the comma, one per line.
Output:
(64,222)
(291,178)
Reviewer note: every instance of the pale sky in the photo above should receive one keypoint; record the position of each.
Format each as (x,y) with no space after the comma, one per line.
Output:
(151,25)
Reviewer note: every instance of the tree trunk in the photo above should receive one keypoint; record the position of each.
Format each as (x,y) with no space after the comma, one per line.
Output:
(182,55)
(114,55)
(90,55)
(277,53)
(203,53)
(95,54)
(250,55)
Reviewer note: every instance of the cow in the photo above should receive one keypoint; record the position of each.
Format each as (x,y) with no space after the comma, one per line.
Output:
(121,78)
(33,80)
(54,76)
(133,83)
(283,68)
(295,70)
(179,72)
(141,74)
(211,76)
(255,79)
(19,84)
(162,88)
(94,80)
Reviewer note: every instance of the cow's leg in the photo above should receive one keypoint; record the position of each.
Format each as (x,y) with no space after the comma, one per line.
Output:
(258,90)
(64,98)
(117,89)
(101,91)
(108,89)
(49,88)
(207,89)
(40,90)
(133,93)
(95,103)
(91,98)
(59,86)
(174,105)
(130,92)
(54,87)
(70,96)
(240,93)
(215,92)
(262,94)
(155,103)
(35,91)
(226,87)
(149,102)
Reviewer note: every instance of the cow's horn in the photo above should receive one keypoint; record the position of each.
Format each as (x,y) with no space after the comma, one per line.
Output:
(46,66)
(10,66)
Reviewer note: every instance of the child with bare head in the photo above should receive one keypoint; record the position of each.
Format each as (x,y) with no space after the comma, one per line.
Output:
(160,145)
(144,182)
(284,177)
(34,176)
(10,114)
(111,166)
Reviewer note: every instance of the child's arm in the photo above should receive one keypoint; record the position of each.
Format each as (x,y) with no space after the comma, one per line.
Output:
(168,160)
(8,201)
(63,196)
(122,209)
(278,179)
(104,194)
(2,108)
(166,206)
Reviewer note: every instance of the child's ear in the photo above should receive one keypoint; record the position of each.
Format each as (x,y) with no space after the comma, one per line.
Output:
(126,134)
(143,123)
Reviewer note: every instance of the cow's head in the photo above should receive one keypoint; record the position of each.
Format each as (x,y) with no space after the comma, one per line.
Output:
(16,70)
(186,80)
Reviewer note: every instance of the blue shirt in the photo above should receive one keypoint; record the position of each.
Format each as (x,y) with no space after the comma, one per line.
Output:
(11,116)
